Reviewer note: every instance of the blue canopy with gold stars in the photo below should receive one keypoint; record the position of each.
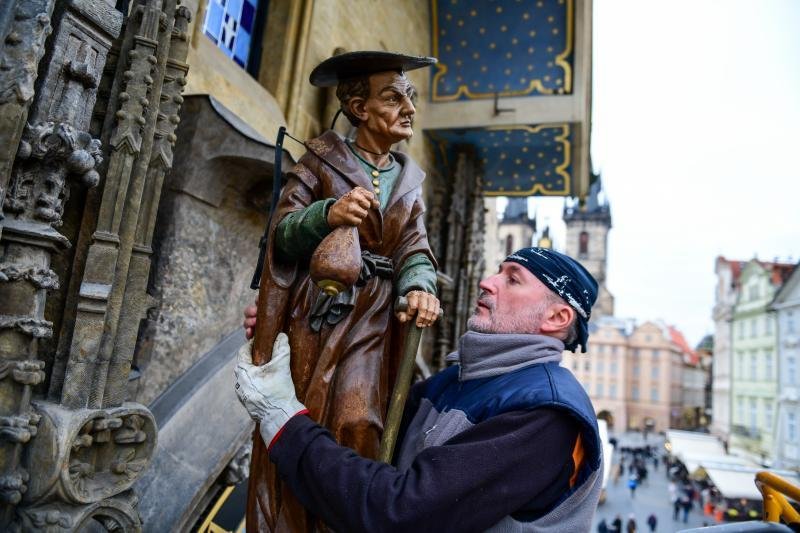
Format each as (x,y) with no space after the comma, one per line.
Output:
(503,47)
(515,160)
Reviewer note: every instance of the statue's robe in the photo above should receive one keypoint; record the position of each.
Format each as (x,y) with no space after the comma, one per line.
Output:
(342,373)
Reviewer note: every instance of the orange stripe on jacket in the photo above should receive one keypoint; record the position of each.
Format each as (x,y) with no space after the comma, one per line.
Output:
(577,459)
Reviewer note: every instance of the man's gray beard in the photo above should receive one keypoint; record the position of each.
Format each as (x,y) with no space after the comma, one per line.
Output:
(529,322)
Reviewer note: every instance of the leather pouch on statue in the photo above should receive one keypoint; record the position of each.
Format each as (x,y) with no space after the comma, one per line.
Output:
(336,263)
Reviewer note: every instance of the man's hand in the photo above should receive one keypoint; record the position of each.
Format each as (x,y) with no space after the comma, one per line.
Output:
(352,208)
(250,319)
(423,304)
(267,391)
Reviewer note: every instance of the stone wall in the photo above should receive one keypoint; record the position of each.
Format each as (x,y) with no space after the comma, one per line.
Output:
(212,211)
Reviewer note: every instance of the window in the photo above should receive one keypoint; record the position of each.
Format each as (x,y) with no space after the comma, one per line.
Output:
(740,409)
(789,322)
(791,427)
(753,416)
(599,388)
(655,355)
(635,392)
(574,364)
(754,292)
(599,366)
(612,368)
(768,366)
(236,27)
(739,365)
(791,370)
(636,370)
(636,353)
(509,244)
(612,390)
(587,365)
(654,372)
(768,415)
(583,245)
(740,329)
(654,394)
(753,332)
(768,325)
(753,366)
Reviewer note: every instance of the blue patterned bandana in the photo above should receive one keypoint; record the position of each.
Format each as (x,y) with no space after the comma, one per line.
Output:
(565,277)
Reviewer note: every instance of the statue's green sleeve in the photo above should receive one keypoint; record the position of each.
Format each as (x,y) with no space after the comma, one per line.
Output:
(417,273)
(299,233)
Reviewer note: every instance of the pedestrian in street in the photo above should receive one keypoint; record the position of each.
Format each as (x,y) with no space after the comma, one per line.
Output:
(632,483)
(630,527)
(686,505)
(652,522)
(655,463)
(602,527)
(616,525)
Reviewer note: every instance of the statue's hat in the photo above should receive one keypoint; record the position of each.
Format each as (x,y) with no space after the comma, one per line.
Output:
(354,64)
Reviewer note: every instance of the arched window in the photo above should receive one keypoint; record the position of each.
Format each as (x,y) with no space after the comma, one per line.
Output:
(509,245)
(583,244)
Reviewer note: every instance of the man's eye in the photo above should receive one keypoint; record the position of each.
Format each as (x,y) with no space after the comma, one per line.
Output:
(513,281)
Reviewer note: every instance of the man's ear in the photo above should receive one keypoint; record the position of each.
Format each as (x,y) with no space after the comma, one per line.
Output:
(358,107)
(557,320)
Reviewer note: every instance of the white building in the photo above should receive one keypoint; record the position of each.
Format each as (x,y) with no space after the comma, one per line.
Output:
(787,307)
(725,298)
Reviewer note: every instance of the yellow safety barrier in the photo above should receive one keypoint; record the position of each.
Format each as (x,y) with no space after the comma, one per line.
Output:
(774,489)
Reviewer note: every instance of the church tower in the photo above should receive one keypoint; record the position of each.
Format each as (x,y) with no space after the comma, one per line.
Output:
(516,229)
(587,241)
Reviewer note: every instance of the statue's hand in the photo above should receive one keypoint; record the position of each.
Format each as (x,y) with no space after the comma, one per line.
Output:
(423,304)
(352,208)
(267,391)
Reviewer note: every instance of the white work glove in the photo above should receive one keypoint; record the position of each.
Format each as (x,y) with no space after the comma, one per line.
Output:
(267,391)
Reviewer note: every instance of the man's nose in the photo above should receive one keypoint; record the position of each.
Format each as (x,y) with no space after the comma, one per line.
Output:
(488,284)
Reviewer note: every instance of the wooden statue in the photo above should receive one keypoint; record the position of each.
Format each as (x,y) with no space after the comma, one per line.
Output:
(345,340)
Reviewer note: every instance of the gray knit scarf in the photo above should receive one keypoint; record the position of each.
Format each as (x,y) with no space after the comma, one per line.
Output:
(483,355)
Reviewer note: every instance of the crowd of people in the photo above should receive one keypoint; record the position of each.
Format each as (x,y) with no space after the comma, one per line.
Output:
(685,493)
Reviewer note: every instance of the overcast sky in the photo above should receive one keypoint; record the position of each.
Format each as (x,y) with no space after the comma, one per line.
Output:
(696,125)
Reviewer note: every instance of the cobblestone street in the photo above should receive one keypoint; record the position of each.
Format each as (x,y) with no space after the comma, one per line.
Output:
(651,497)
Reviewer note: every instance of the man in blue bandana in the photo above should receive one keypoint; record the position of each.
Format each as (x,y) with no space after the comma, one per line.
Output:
(504,440)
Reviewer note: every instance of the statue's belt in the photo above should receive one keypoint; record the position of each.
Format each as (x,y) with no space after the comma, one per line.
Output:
(332,309)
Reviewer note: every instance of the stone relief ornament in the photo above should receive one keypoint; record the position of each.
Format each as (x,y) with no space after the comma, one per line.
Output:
(60,151)
(103,452)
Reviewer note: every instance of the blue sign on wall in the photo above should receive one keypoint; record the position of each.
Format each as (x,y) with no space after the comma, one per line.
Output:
(501,47)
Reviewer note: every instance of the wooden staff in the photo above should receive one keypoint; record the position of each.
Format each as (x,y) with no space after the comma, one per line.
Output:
(402,385)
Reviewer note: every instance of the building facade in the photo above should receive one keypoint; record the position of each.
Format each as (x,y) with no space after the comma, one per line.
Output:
(725,296)
(754,368)
(635,375)
(786,307)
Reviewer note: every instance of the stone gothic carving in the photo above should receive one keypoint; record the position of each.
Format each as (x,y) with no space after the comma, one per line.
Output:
(70,460)
(21,50)
(460,245)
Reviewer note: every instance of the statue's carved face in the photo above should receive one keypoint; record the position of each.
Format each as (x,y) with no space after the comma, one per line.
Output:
(388,113)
